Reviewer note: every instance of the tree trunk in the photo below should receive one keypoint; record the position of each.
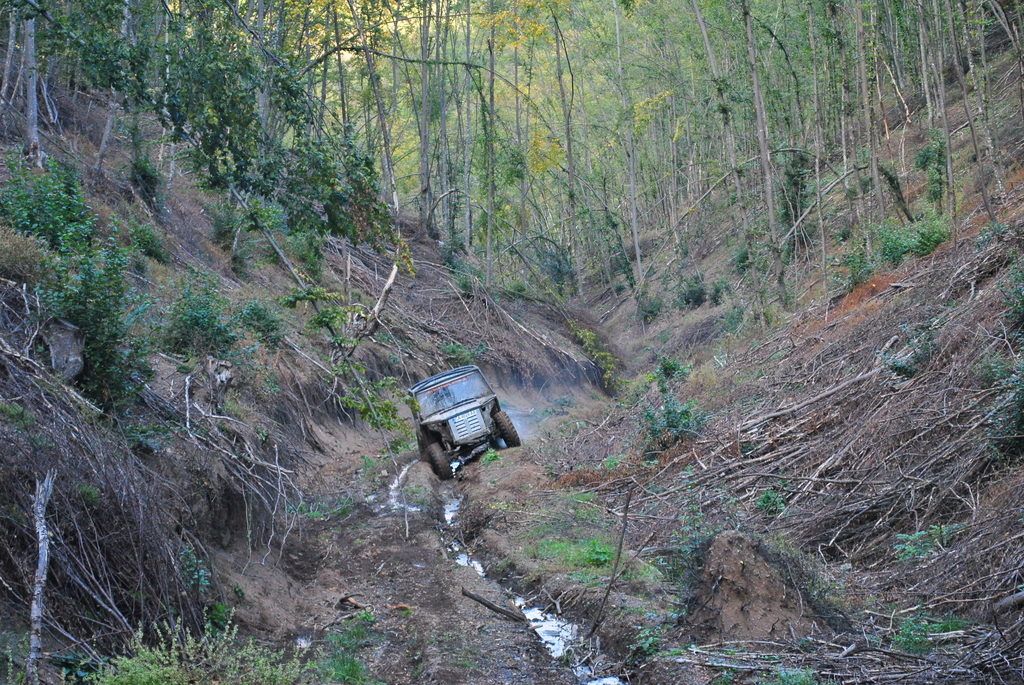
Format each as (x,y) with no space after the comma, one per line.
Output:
(630,154)
(574,229)
(389,171)
(424,203)
(44,490)
(766,162)
(491,189)
(730,144)
(33,151)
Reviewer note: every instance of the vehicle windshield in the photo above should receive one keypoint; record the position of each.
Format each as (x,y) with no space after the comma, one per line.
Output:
(450,394)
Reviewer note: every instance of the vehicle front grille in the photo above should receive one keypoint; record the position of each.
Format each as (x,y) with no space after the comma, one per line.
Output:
(467,425)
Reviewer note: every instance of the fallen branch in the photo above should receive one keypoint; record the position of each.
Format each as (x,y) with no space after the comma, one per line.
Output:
(494,607)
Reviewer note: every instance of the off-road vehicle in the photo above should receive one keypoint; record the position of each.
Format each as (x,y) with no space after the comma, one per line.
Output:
(457,417)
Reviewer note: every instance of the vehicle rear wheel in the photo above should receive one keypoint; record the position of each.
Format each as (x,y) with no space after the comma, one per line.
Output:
(439,461)
(507,429)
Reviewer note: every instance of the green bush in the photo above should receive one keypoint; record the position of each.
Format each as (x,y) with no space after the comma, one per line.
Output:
(198,324)
(459,354)
(932,231)
(48,204)
(913,546)
(671,420)
(719,289)
(648,306)
(598,352)
(264,323)
(691,293)
(790,677)
(921,348)
(912,636)
(86,282)
(219,659)
(1013,290)
(146,241)
(894,242)
(772,503)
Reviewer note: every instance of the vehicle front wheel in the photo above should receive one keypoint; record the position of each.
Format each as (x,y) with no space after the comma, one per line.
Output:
(507,429)
(439,461)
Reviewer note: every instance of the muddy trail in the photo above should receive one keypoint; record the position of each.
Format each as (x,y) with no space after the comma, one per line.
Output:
(397,571)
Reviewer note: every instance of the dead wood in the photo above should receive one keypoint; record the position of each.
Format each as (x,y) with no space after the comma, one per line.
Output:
(494,607)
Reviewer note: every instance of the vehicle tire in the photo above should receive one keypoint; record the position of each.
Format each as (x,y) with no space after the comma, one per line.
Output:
(507,429)
(439,461)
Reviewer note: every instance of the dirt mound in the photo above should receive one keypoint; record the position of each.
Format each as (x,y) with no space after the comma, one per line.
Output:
(741,596)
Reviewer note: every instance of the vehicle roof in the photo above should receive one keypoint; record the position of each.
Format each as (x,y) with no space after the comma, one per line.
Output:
(445,377)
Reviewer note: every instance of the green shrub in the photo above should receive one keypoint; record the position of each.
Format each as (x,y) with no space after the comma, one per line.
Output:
(219,659)
(932,231)
(913,546)
(264,323)
(719,289)
(921,348)
(894,242)
(932,159)
(912,636)
(648,306)
(198,324)
(48,204)
(146,241)
(772,503)
(671,420)
(598,352)
(86,282)
(146,179)
(459,354)
(691,293)
(89,288)
(790,677)
(1013,290)
(224,220)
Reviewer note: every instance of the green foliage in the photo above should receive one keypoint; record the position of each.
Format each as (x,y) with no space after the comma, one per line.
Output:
(17,415)
(146,179)
(896,241)
(1012,286)
(265,324)
(790,677)
(460,355)
(574,554)
(341,663)
(796,186)
(86,281)
(909,364)
(217,659)
(1007,434)
(771,502)
(912,636)
(666,424)
(146,241)
(719,289)
(490,456)
(932,159)
(647,641)
(741,260)
(193,569)
(598,352)
(218,618)
(917,545)
(858,266)
(648,306)
(691,293)
(198,323)
(48,204)
(733,319)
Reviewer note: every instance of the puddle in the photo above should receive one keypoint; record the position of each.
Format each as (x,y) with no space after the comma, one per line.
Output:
(452,503)
(395,490)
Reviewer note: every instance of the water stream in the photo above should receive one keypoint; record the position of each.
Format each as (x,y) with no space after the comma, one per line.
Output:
(560,637)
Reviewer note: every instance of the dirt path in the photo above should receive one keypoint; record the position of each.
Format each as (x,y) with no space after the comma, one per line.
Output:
(410,620)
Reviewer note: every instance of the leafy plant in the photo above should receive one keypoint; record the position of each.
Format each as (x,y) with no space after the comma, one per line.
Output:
(459,354)
(691,293)
(490,456)
(719,289)
(213,659)
(146,241)
(598,352)
(1013,290)
(193,569)
(912,636)
(932,159)
(912,546)
(198,324)
(262,321)
(790,677)
(909,364)
(772,503)
(648,306)
(672,420)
